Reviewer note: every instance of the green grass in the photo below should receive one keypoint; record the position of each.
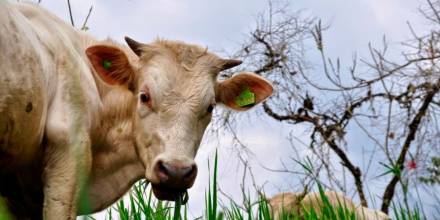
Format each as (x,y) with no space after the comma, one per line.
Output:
(142,205)
(401,213)
(3,212)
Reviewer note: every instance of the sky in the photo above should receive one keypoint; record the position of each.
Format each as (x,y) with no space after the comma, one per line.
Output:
(222,26)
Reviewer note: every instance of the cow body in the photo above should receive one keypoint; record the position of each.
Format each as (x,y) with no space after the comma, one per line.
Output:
(48,100)
(83,120)
(23,94)
(46,83)
(297,204)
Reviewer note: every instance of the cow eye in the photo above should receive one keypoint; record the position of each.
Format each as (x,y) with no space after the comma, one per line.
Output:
(144,97)
(210,108)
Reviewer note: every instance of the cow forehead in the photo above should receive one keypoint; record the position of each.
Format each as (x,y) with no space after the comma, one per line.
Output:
(169,74)
(182,53)
(176,71)
(179,58)
(171,84)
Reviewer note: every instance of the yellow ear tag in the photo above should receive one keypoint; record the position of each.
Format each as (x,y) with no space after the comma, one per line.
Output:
(246,98)
(106,64)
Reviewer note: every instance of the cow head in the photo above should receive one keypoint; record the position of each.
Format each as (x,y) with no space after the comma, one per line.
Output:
(175,91)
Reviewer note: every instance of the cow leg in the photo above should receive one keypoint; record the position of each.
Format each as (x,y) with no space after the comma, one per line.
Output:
(67,161)
(66,171)
(67,166)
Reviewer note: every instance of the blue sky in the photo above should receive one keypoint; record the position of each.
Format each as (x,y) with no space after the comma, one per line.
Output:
(222,25)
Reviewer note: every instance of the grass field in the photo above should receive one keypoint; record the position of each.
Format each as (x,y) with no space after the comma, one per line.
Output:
(142,205)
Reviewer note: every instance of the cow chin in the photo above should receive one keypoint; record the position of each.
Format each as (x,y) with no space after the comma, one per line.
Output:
(166,193)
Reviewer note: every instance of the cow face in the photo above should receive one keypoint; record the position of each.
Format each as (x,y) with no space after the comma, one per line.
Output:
(175,88)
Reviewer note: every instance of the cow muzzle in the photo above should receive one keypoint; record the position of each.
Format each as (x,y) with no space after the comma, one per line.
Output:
(174,179)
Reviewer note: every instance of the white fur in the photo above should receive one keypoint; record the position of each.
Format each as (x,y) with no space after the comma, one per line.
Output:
(297,202)
(97,137)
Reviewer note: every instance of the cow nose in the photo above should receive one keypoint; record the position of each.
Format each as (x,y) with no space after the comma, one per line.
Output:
(176,174)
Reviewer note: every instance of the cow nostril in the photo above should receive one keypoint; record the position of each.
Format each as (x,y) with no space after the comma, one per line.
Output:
(191,172)
(162,171)
(161,167)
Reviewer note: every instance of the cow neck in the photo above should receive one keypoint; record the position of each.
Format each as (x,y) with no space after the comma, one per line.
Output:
(116,166)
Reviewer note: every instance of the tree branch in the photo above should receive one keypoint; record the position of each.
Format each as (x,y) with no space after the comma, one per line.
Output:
(84,26)
(413,127)
(70,13)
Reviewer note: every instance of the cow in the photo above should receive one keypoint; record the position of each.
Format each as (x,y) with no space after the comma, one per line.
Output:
(83,120)
(297,204)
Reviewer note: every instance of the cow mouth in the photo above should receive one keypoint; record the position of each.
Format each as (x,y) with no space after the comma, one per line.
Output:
(171,194)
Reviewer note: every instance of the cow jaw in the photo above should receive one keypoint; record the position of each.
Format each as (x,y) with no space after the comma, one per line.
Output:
(165,193)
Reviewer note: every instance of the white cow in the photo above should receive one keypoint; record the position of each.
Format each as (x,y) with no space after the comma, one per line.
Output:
(86,119)
(298,203)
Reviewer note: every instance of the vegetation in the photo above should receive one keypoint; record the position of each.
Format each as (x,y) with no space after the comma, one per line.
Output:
(433,170)
(3,212)
(388,102)
(142,205)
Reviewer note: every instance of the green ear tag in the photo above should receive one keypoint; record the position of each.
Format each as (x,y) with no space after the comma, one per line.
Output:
(245,99)
(106,64)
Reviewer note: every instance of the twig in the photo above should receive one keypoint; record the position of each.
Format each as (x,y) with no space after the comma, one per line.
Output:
(70,13)
(84,27)
(413,127)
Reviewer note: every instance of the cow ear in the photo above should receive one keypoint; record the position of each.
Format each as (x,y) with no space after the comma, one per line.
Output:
(243,91)
(111,64)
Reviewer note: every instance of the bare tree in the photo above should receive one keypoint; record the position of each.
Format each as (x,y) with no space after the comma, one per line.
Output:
(394,102)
